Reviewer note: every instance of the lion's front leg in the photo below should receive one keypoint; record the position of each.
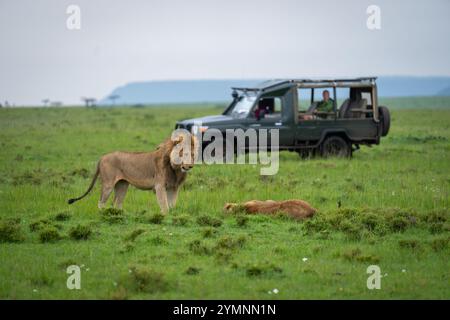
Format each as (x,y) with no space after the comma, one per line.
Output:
(161,196)
(172,195)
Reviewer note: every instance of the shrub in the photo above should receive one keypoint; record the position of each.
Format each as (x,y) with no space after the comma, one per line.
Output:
(205,220)
(156,218)
(228,242)
(10,231)
(144,279)
(241,220)
(62,216)
(409,243)
(262,269)
(440,244)
(180,220)
(192,271)
(357,224)
(80,232)
(209,232)
(197,247)
(120,293)
(41,280)
(40,224)
(49,234)
(157,241)
(112,215)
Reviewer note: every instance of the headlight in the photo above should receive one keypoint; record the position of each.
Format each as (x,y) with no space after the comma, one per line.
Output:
(196,129)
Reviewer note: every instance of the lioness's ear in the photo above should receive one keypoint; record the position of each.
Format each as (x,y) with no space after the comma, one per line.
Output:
(229,207)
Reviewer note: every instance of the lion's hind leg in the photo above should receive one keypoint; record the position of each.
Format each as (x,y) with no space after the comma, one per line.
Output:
(106,191)
(120,191)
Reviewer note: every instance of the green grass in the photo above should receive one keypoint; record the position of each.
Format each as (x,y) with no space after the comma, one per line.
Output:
(395,213)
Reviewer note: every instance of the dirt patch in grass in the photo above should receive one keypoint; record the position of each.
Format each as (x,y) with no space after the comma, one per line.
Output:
(80,232)
(11,231)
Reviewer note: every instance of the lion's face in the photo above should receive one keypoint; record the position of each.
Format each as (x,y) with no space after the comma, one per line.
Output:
(184,152)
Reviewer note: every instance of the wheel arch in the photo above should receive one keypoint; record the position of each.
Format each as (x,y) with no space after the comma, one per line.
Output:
(334,132)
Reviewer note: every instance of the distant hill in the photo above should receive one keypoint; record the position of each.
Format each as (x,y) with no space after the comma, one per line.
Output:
(216,91)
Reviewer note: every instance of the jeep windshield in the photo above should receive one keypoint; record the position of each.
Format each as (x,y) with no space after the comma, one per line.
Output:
(243,106)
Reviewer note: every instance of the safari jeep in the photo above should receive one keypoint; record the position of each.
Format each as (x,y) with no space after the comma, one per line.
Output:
(353,117)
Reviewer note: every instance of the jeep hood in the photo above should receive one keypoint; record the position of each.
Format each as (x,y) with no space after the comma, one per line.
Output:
(208,120)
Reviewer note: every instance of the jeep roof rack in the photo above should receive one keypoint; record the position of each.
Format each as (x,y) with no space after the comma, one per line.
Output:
(310,83)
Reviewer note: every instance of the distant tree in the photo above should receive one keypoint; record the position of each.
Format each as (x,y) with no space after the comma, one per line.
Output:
(56,103)
(46,101)
(113,98)
(89,102)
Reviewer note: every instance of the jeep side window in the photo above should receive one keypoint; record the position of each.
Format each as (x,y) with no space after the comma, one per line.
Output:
(368,97)
(269,108)
(304,99)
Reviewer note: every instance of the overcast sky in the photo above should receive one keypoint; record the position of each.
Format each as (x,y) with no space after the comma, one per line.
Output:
(124,41)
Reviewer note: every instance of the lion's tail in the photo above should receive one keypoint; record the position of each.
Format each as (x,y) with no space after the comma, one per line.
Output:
(94,179)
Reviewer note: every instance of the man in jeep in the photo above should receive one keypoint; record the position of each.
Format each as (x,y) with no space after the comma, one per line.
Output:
(326,105)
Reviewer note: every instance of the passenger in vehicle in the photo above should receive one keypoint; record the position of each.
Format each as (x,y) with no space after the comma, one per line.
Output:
(327,104)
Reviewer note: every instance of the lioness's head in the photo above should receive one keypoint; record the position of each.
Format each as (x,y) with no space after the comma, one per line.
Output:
(229,207)
(234,208)
(184,151)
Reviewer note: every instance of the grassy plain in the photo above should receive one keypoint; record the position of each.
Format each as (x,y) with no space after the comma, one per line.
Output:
(395,213)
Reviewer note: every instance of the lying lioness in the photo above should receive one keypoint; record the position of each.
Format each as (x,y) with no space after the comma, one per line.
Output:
(162,171)
(297,209)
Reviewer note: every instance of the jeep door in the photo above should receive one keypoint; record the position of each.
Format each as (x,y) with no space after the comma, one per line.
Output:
(274,111)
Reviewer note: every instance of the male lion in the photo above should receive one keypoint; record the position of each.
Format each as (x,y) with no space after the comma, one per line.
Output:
(297,209)
(162,171)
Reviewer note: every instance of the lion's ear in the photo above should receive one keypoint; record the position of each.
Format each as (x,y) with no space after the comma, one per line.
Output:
(177,139)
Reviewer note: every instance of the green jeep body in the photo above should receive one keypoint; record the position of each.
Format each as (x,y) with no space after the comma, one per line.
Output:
(285,105)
